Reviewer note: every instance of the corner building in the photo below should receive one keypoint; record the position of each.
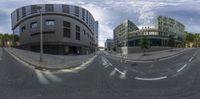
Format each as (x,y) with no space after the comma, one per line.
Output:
(67,29)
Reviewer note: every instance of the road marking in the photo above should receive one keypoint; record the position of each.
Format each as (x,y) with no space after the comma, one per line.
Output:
(113,72)
(81,67)
(158,78)
(42,79)
(106,63)
(119,71)
(123,75)
(191,58)
(52,77)
(182,68)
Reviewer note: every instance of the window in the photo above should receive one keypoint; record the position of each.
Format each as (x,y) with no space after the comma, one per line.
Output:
(66,24)
(84,32)
(66,32)
(66,29)
(17,14)
(87,17)
(23,29)
(34,24)
(33,9)
(77,11)
(23,11)
(50,22)
(65,8)
(49,7)
(83,14)
(77,32)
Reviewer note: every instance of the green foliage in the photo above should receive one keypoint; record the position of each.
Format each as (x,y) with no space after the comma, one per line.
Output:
(5,38)
(144,43)
(191,38)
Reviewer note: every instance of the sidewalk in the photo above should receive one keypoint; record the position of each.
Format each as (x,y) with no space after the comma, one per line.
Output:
(53,62)
(155,55)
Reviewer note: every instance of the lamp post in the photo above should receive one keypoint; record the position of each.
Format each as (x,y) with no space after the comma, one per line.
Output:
(41,36)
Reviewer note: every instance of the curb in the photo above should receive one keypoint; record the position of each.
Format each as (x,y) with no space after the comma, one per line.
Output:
(151,60)
(39,67)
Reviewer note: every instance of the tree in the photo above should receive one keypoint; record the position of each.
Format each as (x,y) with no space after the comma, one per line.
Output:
(171,41)
(5,38)
(144,44)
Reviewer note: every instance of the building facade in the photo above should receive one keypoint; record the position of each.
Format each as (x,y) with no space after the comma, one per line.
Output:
(158,36)
(121,33)
(109,44)
(67,29)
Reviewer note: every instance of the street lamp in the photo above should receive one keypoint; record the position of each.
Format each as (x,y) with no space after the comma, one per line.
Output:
(41,36)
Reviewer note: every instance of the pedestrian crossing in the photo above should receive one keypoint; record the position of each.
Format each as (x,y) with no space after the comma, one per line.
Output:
(114,70)
(46,77)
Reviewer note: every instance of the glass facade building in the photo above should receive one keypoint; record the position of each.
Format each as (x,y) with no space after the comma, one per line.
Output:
(128,35)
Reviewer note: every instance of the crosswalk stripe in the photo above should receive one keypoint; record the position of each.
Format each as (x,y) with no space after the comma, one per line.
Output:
(52,77)
(42,79)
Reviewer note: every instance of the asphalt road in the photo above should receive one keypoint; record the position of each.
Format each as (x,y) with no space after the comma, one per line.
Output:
(104,77)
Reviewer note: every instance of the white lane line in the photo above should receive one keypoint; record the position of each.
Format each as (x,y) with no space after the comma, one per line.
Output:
(119,71)
(41,77)
(191,58)
(113,72)
(123,75)
(182,68)
(81,67)
(52,77)
(158,78)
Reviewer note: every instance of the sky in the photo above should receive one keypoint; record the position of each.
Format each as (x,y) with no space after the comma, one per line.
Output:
(111,13)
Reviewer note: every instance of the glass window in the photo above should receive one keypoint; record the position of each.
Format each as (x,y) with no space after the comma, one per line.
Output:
(34,24)
(23,11)
(77,11)
(77,28)
(50,22)
(17,14)
(66,24)
(65,8)
(77,32)
(84,32)
(49,7)
(66,32)
(83,14)
(34,9)
(23,29)
(87,17)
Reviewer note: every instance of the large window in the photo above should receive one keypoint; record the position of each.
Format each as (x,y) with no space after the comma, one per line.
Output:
(23,29)
(17,14)
(87,17)
(84,32)
(49,7)
(66,29)
(23,11)
(77,11)
(34,25)
(65,8)
(49,22)
(83,14)
(34,9)
(77,32)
